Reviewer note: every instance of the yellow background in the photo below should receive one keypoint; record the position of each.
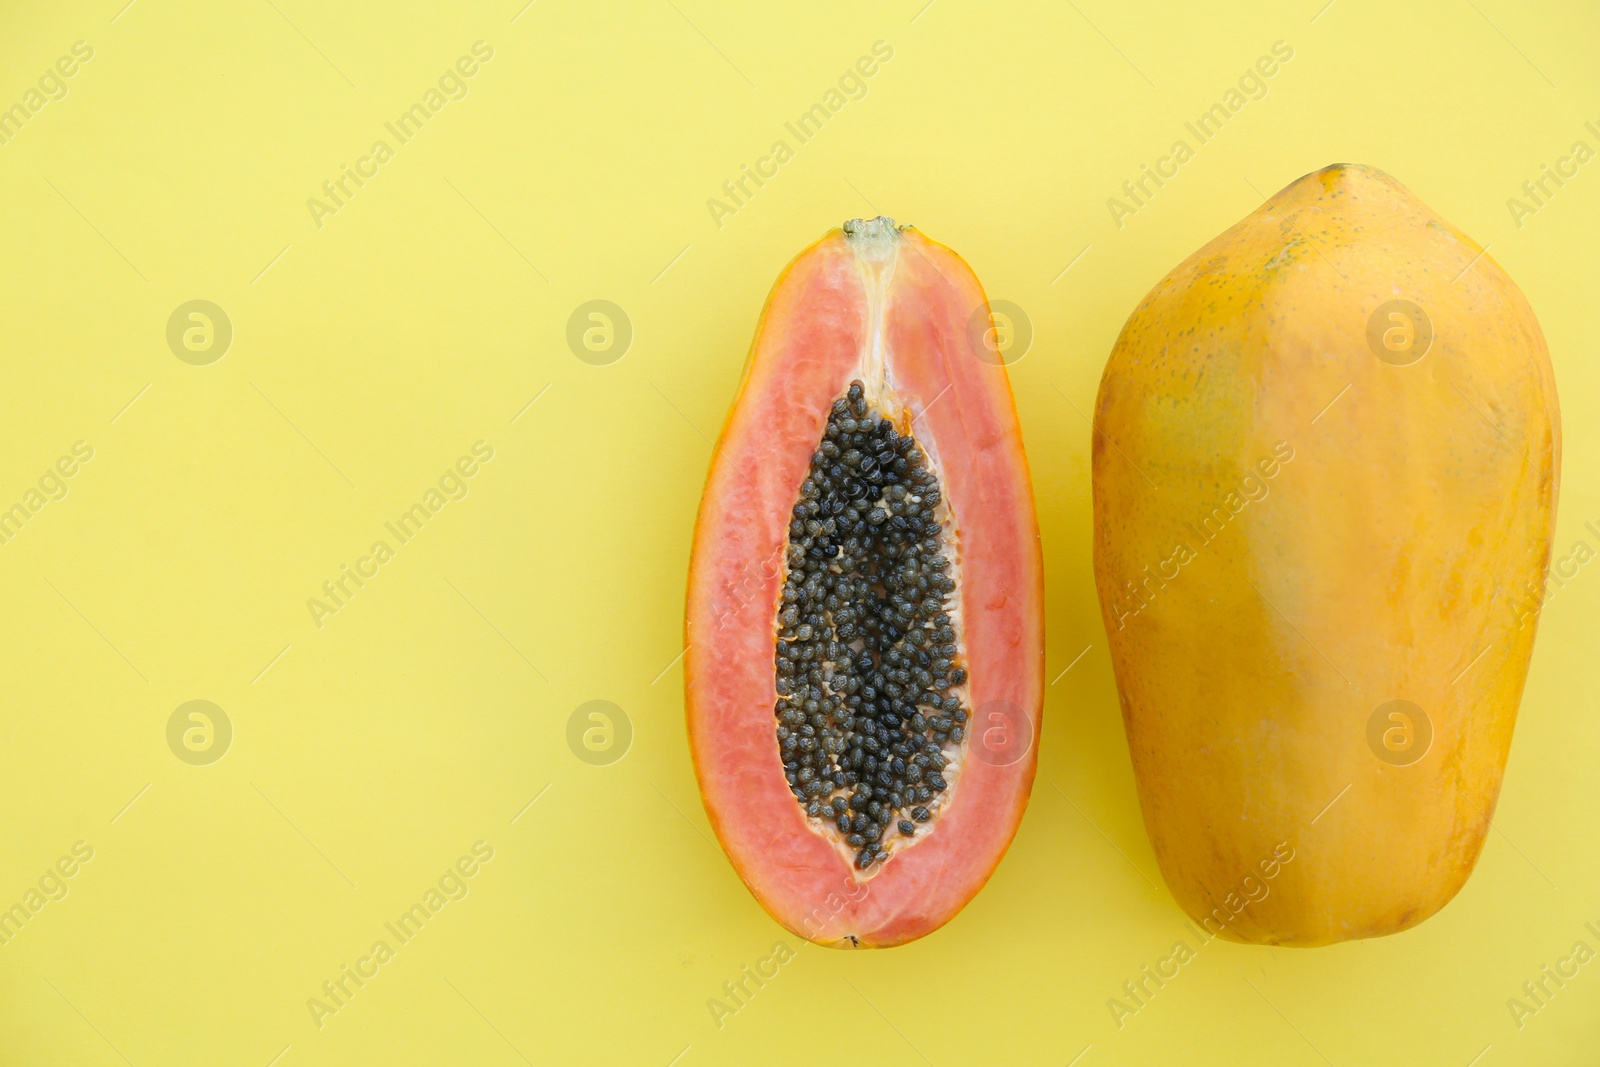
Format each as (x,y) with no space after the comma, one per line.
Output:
(369,353)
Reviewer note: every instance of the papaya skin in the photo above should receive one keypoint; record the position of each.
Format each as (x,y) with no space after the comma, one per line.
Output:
(1290,532)
(889,307)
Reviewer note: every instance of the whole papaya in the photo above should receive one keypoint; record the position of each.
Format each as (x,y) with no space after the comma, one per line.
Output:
(1325,466)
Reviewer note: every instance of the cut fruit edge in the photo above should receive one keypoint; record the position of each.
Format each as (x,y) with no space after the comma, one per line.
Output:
(893,309)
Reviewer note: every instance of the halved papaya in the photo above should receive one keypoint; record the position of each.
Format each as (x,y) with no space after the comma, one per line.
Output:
(864,620)
(1325,466)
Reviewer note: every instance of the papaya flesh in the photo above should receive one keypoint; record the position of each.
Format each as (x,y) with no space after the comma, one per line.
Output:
(1325,467)
(864,623)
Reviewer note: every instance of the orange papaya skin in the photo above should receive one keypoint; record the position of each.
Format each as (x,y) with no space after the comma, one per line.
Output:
(891,308)
(1310,502)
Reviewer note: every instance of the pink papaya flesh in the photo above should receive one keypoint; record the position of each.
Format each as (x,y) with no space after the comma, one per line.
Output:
(864,623)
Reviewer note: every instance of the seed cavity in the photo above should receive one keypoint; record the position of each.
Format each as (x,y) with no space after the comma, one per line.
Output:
(867,653)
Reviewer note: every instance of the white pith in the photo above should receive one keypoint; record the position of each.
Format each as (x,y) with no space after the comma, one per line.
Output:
(876,243)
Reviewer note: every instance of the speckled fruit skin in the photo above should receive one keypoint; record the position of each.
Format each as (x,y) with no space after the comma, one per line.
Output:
(1291,532)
